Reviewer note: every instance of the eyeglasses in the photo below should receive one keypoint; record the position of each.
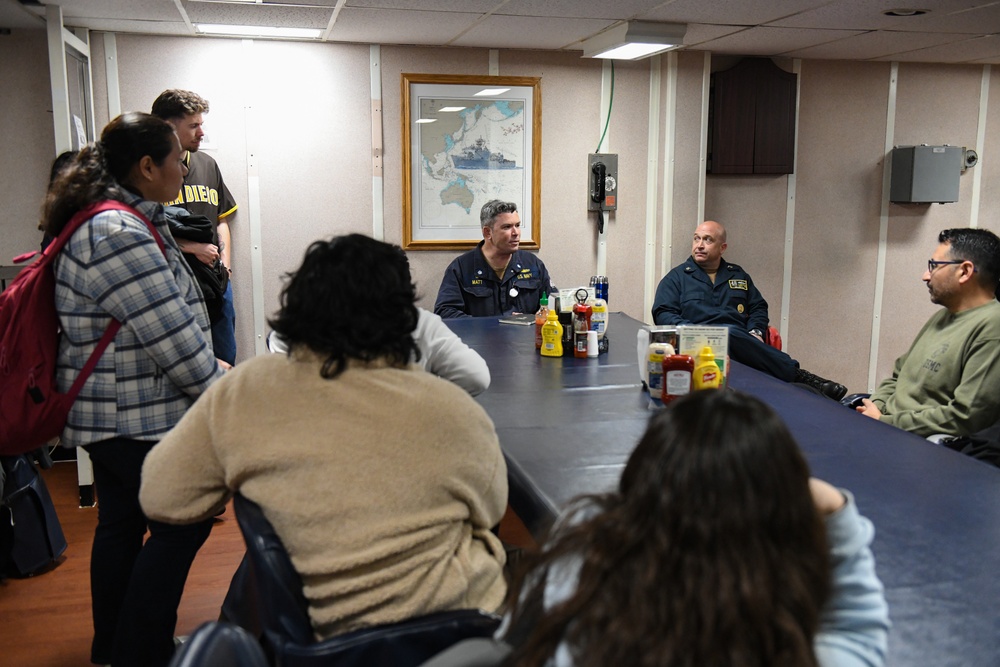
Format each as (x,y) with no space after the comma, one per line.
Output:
(933,264)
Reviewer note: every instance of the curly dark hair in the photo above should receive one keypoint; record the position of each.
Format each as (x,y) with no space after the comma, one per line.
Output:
(100,169)
(175,103)
(711,552)
(352,298)
(979,246)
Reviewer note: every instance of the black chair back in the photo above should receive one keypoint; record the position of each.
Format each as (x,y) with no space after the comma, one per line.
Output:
(407,643)
(287,631)
(217,644)
(282,606)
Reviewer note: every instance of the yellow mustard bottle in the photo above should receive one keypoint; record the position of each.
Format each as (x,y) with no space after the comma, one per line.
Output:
(706,372)
(552,333)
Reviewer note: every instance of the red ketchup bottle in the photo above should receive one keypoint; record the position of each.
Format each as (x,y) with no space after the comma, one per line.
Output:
(677,372)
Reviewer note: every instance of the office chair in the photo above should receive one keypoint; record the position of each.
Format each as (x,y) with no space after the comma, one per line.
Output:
(853,400)
(773,338)
(216,644)
(287,633)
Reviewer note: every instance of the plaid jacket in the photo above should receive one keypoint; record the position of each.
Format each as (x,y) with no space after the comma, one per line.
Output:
(161,360)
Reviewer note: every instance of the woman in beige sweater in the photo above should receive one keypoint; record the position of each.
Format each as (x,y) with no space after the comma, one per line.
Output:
(382,480)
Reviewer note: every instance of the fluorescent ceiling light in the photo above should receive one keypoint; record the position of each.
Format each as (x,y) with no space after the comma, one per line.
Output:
(451,109)
(631,40)
(426,120)
(491,91)
(257,31)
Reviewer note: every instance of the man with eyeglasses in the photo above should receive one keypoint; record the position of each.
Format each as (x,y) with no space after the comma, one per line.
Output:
(706,289)
(949,380)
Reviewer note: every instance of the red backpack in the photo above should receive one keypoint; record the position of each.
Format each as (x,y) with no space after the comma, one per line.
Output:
(32,412)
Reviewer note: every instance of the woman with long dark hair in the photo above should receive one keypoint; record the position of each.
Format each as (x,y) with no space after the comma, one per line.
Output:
(717,550)
(159,362)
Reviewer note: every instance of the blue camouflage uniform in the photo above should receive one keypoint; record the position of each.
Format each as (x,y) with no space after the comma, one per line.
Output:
(470,287)
(686,295)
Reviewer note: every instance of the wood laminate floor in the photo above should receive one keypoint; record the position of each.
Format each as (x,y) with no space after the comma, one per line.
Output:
(45,620)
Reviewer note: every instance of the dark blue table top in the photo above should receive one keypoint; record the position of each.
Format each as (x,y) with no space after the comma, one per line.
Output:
(568,425)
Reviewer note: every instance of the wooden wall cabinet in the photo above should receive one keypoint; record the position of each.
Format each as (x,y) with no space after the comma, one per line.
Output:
(753,125)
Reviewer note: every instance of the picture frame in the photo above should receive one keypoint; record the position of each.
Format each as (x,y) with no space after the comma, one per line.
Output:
(467,140)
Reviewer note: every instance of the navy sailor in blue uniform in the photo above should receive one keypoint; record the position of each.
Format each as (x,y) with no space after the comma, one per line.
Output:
(706,289)
(495,278)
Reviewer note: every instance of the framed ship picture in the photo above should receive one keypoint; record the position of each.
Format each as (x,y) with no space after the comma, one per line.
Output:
(467,140)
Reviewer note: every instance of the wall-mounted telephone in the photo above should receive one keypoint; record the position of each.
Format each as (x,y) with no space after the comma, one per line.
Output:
(602,180)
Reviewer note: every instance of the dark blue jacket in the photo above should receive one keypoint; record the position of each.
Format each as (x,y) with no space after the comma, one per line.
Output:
(687,296)
(470,287)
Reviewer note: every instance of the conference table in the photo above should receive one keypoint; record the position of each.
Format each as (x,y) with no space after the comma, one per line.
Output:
(568,425)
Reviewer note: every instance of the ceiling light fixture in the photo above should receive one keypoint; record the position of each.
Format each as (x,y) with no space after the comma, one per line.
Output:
(631,40)
(451,109)
(491,91)
(426,120)
(905,12)
(257,31)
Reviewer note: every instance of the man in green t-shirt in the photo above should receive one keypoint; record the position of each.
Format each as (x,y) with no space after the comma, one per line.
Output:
(949,380)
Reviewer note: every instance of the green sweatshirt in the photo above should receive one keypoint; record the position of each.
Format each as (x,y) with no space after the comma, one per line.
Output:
(949,380)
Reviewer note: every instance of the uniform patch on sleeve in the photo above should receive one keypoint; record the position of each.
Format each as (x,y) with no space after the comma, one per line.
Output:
(738,284)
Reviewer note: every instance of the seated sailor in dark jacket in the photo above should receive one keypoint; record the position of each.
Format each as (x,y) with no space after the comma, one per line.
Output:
(706,289)
(494,278)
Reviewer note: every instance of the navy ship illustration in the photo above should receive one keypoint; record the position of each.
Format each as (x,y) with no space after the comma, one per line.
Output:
(478,156)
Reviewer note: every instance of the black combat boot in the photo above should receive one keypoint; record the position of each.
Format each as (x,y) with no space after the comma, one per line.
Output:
(828,388)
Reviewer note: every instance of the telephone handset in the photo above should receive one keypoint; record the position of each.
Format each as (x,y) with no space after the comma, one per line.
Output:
(597,182)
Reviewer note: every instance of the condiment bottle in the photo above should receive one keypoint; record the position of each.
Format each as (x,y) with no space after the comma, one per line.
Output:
(540,317)
(599,317)
(677,372)
(656,354)
(552,333)
(581,324)
(706,372)
(565,318)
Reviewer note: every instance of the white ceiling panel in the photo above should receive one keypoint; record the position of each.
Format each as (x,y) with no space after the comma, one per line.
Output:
(875,44)
(772,41)
(538,33)
(979,49)
(957,16)
(330,4)
(282,17)
(152,10)
(729,12)
(457,6)
(700,33)
(389,26)
(618,10)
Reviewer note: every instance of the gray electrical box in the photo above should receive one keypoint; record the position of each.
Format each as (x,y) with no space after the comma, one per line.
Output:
(925,174)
